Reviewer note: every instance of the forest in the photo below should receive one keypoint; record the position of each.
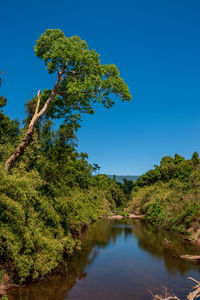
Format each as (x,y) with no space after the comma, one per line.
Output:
(169,194)
(49,192)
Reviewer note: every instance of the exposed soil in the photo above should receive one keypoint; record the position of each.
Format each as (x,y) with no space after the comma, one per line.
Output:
(6,284)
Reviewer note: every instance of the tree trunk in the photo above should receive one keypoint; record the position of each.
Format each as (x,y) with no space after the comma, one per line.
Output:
(11,161)
(20,149)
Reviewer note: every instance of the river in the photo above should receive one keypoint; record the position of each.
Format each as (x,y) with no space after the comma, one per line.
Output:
(120,260)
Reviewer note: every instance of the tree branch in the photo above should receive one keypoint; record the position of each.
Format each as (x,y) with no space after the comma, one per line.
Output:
(196,294)
(38,103)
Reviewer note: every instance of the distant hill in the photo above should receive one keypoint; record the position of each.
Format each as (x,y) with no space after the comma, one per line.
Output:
(119,178)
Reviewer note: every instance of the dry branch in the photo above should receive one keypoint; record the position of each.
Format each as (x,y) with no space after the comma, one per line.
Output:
(166,295)
(192,296)
(28,135)
(196,294)
(158,297)
(191,257)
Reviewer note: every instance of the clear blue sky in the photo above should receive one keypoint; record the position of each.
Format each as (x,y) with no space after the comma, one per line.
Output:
(156,46)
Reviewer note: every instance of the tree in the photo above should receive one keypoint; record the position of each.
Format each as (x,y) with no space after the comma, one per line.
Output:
(9,129)
(81,81)
(96,168)
(195,158)
(127,186)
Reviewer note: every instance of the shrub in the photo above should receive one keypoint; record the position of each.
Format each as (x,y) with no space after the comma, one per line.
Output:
(35,231)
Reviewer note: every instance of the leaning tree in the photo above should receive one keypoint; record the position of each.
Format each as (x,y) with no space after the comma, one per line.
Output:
(81,80)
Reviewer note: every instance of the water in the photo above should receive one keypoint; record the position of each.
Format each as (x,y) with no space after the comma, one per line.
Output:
(120,260)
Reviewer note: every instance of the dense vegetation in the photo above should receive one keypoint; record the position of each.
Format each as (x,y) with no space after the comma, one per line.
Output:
(169,194)
(51,195)
(48,193)
(81,80)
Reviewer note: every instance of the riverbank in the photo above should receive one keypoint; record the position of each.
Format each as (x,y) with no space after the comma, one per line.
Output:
(189,237)
(40,220)
(169,195)
(194,236)
(7,282)
(113,265)
(126,216)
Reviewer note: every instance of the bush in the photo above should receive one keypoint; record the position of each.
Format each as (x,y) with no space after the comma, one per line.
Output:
(36,230)
(175,203)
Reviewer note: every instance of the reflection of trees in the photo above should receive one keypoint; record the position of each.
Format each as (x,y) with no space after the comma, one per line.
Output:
(57,286)
(151,239)
(101,235)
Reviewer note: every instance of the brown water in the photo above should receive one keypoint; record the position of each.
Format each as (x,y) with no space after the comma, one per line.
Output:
(120,260)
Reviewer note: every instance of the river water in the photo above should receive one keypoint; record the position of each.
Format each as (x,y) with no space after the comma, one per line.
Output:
(120,260)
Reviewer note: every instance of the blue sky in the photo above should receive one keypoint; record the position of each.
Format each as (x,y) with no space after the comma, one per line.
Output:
(156,46)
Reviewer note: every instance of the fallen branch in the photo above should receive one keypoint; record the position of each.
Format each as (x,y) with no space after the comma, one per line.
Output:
(157,297)
(196,294)
(166,295)
(192,296)
(191,257)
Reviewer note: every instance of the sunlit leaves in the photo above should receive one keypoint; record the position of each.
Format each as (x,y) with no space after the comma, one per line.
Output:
(84,79)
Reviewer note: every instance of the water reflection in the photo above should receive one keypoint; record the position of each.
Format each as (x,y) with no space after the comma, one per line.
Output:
(152,240)
(119,260)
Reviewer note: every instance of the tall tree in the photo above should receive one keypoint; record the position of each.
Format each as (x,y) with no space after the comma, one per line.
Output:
(9,129)
(81,81)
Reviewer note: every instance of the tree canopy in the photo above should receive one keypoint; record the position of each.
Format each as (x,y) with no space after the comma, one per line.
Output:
(81,81)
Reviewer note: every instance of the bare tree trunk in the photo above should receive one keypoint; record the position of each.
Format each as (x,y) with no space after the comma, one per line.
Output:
(20,149)
(27,138)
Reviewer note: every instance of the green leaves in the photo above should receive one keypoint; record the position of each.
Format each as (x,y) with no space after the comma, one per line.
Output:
(83,78)
(49,48)
(52,193)
(9,129)
(35,228)
(3,101)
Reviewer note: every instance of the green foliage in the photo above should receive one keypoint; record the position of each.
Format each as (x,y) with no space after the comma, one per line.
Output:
(3,101)
(82,79)
(120,211)
(172,201)
(1,276)
(195,158)
(113,190)
(36,230)
(9,130)
(52,195)
(85,77)
(154,212)
(170,168)
(127,186)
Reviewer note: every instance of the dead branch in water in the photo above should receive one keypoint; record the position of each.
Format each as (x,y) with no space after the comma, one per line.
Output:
(159,297)
(196,294)
(192,296)
(166,295)
(191,257)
